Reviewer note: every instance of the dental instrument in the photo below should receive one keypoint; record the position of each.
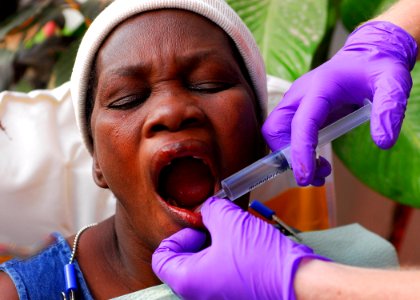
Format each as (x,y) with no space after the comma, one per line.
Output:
(279,161)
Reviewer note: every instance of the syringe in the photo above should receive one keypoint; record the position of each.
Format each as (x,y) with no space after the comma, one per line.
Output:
(279,161)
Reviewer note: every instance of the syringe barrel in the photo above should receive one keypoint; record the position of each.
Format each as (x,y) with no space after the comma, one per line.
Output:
(255,175)
(277,162)
(345,124)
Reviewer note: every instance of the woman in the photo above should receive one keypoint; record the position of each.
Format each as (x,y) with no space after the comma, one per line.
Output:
(169,99)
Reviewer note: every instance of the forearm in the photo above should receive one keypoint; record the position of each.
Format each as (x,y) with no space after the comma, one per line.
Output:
(322,280)
(406,14)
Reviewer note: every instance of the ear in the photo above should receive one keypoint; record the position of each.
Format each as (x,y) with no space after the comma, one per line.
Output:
(98,177)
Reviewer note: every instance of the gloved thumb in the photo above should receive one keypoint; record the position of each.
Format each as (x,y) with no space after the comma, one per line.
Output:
(175,248)
(173,260)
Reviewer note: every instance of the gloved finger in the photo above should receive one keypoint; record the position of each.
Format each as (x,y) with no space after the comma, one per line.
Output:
(221,215)
(277,127)
(173,252)
(173,259)
(388,108)
(185,240)
(215,209)
(308,119)
(228,224)
(323,169)
(318,182)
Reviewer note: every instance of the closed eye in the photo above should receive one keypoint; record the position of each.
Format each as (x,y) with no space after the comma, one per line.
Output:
(210,87)
(128,102)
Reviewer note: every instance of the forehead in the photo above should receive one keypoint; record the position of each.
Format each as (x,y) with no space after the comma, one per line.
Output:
(163,32)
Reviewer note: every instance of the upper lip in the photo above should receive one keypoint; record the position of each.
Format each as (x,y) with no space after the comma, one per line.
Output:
(186,148)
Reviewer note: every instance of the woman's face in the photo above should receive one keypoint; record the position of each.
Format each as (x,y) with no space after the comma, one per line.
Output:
(173,115)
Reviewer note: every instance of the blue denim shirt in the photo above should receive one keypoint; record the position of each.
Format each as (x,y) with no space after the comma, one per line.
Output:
(42,276)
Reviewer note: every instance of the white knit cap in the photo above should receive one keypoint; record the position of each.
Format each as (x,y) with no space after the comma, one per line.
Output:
(218,11)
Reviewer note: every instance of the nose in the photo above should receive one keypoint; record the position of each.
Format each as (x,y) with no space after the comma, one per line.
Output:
(173,113)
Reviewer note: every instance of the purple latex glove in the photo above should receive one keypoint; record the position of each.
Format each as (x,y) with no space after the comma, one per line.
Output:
(247,259)
(374,64)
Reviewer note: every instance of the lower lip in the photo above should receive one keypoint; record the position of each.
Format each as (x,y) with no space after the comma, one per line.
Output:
(187,217)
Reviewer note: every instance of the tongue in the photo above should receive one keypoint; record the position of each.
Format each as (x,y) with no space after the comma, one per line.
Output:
(186,181)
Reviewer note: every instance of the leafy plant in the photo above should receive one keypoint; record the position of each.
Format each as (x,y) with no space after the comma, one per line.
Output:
(36,42)
(288,32)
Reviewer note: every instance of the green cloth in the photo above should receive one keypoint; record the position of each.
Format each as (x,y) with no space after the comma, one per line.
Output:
(350,245)
(158,292)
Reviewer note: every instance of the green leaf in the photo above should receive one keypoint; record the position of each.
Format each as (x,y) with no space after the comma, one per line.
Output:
(288,32)
(394,173)
(355,12)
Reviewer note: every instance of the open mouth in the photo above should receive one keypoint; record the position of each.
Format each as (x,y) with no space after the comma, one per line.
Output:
(186,182)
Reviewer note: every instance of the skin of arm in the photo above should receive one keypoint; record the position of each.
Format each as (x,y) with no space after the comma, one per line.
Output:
(317,279)
(406,14)
(7,287)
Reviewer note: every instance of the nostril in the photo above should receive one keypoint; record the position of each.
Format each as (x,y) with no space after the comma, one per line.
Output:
(190,122)
(158,127)
(187,123)
(174,117)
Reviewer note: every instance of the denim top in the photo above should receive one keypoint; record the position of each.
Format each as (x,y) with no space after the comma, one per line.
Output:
(42,276)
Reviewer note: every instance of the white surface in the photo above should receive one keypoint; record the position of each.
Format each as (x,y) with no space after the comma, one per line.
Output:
(46,182)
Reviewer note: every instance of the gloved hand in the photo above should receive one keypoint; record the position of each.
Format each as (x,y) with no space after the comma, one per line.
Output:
(247,259)
(374,64)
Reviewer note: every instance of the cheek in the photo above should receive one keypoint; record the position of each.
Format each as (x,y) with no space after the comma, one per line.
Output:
(115,131)
(116,145)
(239,131)
(106,135)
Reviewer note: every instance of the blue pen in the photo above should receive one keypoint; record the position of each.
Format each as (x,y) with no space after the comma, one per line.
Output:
(270,215)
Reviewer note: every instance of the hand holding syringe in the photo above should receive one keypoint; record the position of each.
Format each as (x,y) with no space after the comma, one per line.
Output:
(278,162)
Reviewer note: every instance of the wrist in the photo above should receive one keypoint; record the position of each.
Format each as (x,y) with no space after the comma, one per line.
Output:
(305,257)
(405,14)
(313,279)
(388,38)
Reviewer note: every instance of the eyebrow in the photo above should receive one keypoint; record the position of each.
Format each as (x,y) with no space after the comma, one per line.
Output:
(188,62)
